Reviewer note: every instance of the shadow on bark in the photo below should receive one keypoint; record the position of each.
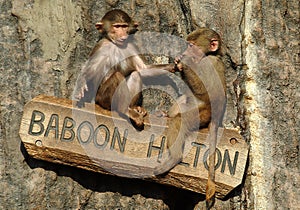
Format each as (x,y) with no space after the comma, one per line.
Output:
(174,198)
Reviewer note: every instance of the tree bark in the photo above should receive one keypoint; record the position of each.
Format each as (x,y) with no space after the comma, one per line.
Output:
(43,45)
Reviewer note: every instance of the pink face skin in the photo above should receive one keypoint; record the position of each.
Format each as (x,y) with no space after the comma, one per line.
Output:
(193,53)
(119,33)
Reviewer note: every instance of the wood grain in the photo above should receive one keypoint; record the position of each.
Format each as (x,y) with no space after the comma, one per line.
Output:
(55,130)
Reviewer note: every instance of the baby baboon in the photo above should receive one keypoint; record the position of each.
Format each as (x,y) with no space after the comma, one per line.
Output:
(203,71)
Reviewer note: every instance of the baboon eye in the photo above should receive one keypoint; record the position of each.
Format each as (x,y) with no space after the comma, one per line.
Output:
(191,44)
(120,25)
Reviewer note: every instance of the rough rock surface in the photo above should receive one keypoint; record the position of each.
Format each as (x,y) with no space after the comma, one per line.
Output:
(43,45)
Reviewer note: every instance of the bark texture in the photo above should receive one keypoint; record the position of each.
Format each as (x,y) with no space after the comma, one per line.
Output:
(43,45)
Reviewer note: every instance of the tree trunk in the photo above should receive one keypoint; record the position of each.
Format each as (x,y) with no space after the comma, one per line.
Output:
(43,45)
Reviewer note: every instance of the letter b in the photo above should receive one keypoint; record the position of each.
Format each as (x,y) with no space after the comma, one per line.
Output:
(38,122)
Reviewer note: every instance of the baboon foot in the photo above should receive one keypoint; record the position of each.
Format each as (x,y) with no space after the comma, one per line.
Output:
(136,115)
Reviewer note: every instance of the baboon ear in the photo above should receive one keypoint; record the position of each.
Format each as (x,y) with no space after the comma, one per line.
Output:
(214,45)
(99,26)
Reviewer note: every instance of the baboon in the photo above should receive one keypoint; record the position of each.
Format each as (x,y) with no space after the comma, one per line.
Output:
(112,74)
(203,71)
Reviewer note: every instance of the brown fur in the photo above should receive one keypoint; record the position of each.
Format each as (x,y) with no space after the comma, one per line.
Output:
(111,74)
(201,68)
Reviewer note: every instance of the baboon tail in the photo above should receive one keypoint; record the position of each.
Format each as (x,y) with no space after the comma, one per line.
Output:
(176,134)
(211,185)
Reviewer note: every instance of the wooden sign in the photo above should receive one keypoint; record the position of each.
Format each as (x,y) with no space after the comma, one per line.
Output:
(55,130)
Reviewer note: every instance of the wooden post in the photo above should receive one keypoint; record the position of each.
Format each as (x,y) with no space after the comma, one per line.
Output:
(55,130)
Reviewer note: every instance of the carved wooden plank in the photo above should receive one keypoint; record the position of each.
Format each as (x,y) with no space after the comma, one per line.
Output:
(55,130)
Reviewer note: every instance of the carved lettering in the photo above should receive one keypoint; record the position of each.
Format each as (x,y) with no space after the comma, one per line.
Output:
(231,166)
(219,159)
(197,154)
(85,133)
(89,131)
(106,139)
(38,122)
(160,149)
(68,128)
(53,118)
(50,133)
(116,134)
